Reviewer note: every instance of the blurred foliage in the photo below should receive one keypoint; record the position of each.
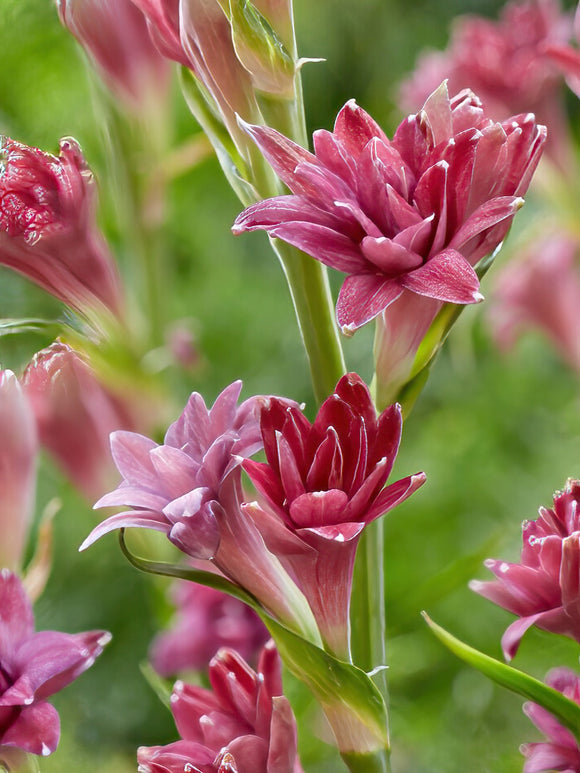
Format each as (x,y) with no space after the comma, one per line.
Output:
(495,435)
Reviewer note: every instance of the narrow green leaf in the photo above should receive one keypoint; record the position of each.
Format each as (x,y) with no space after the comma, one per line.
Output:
(566,711)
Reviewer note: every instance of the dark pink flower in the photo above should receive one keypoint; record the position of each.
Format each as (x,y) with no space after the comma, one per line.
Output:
(207,620)
(34,666)
(75,414)
(401,217)
(48,230)
(190,489)
(561,751)
(243,725)
(543,588)
(18,452)
(504,62)
(542,291)
(324,482)
(115,35)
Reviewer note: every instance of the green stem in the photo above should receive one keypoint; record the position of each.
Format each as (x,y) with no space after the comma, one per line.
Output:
(310,291)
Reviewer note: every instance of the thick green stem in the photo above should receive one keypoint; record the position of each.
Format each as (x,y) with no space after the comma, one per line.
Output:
(308,283)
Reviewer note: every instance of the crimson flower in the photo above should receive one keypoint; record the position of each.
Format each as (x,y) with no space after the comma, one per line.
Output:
(34,666)
(560,751)
(207,620)
(323,483)
(243,725)
(543,588)
(411,215)
(48,230)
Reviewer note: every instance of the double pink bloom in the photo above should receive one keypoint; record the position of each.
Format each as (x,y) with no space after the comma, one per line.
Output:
(243,725)
(543,589)
(401,217)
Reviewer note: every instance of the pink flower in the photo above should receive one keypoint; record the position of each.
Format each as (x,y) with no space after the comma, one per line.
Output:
(48,230)
(324,482)
(244,724)
(402,217)
(543,588)
(34,666)
(207,620)
(190,489)
(75,414)
(115,35)
(504,62)
(567,58)
(541,290)
(561,751)
(17,470)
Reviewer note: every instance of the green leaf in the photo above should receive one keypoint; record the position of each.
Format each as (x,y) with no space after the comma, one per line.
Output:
(566,711)
(352,703)
(29,325)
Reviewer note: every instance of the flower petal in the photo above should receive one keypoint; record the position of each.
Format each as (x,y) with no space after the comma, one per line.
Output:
(362,297)
(445,277)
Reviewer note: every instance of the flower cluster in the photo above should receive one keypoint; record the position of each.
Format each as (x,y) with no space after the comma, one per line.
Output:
(543,588)
(243,725)
(321,484)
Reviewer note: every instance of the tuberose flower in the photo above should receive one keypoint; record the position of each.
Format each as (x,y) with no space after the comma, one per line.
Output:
(75,414)
(48,230)
(206,621)
(405,216)
(115,35)
(17,470)
(560,751)
(190,489)
(244,724)
(323,483)
(34,666)
(542,589)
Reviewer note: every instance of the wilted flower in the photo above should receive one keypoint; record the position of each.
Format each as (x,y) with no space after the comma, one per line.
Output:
(207,620)
(504,62)
(115,35)
(48,230)
(406,219)
(561,751)
(541,290)
(190,489)
(17,470)
(324,482)
(244,724)
(75,414)
(543,588)
(34,666)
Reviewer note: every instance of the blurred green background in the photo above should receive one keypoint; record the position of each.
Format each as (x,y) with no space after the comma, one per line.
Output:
(496,435)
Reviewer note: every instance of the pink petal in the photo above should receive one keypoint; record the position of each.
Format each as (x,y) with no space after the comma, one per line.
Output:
(285,209)
(436,117)
(362,297)
(130,519)
(445,277)
(330,247)
(318,508)
(394,494)
(486,216)
(389,257)
(333,156)
(131,455)
(354,128)
(35,730)
(17,619)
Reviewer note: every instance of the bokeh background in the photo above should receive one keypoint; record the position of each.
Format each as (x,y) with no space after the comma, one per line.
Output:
(495,434)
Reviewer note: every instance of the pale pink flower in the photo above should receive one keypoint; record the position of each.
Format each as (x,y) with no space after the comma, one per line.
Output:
(560,751)
(244,724)
(34,666)
(18,451)
(115,35)
(543,588)
(323,483)
(206,621)
(540,290)
(567,58)
(190,489)
(48,230)
(75,415)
